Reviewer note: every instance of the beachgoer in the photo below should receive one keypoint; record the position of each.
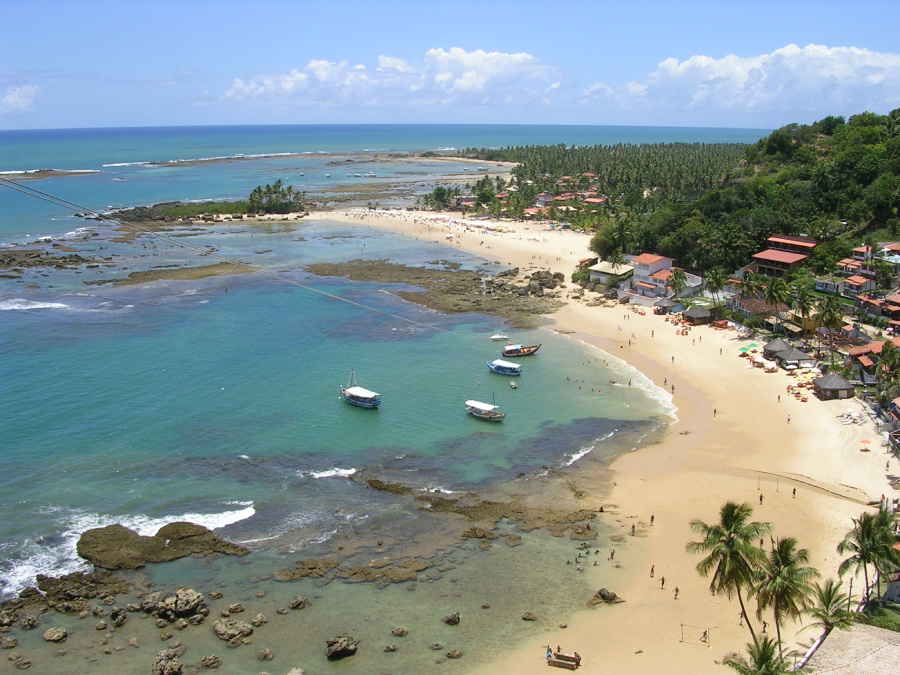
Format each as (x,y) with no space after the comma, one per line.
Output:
(676,592)
(632,529)
(549,652)
(652,570)
(558,649)
(761,542)
(887,466)
(652,518)
(601,509)
(652,333)
(779,398)
(673,388)
(662,583)
(720,351)
(714,412)
(701,338)
(794,493)
(760,500)
(612,554)
(693,342)
(629,383)
(789,419)
(577,659)
(764,626)
(673,359)
(741,615)
(665,381)
(595,563)
(705,636)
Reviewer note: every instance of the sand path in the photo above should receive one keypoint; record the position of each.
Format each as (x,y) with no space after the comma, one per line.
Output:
(746,451)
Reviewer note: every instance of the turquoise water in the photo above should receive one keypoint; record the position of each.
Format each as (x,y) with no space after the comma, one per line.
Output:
(216,401)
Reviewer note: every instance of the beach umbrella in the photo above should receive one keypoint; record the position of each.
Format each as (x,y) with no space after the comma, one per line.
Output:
(753,344)
(865,440)
(744,349)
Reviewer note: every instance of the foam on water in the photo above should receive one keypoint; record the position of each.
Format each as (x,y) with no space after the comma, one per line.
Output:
(586,450)
(21,305)
(330,473)
(21,562)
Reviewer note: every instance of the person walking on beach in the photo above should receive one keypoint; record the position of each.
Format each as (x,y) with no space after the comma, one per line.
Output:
(676,592)
(760,500)
(652,570)
(794,493)
(652,518)
(714,412)
(789,419)
(662,583)
(765,626)
(741,615)
(779,398)
(632,529)
(612,554)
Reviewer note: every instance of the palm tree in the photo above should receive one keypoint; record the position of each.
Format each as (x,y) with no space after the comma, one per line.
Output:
(677,281)
(887,558)
(764,659)
(731,557)
(715,281)
(749,285)
(784,584)
(831,315)
(777,293)
(829,606)
(615,257)
(804,302)
(861,542)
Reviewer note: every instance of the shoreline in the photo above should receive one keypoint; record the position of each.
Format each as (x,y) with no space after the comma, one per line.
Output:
(748,449)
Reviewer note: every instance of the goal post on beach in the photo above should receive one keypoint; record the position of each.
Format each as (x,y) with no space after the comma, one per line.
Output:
(696,635)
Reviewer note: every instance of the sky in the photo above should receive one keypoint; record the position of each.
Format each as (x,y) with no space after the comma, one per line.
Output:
(93,63)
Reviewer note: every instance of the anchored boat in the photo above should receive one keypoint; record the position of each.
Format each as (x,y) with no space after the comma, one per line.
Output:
(500,337)
(359,396)
(519,350)
(485,411)
(502,367)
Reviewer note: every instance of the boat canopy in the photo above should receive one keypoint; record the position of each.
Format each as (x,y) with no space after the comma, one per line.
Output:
(478,405)
(514,346)
(507,364)
(359,392)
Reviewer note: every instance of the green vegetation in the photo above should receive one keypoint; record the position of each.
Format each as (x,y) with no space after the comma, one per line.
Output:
(275,198)
(783,583)
(667,172)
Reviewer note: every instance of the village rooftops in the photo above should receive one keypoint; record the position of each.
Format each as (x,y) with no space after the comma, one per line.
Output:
(856,280)
(779,256)
(662,275)
(649,258)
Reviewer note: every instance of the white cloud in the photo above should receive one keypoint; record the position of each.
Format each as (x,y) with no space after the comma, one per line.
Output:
(789,79)
(452,76)
(19,99)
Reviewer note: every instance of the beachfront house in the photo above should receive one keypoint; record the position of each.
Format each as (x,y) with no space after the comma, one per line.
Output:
(858,284)
(832,386)
(830,284)
(608,274)
(652,274)
(784,255)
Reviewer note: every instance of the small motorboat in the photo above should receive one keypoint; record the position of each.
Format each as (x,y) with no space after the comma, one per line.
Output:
(359,396)
(502,367)
(500,337)
(513,384)
(327,175)
(519,350)
(485,411)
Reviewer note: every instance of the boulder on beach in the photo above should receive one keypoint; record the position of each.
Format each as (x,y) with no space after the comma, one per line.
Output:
(528,616)
(115,547)
(340,646)
(604,595)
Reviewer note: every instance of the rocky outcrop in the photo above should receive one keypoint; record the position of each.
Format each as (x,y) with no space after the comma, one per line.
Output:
(340,646)
(390,648)
(454,654)
(604,595)
(479,533)
(55,635)
(259,620)
(452,620)
(115,547)
(399,632)
(528,616)
(8,643)
(313,567)
(186,606)
(299,603)
(167,663)
(232,630)
(209,662)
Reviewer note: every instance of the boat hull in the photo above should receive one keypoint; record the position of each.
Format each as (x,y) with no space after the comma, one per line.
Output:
(524,351)
(372,404)
(487,416)
(500,370)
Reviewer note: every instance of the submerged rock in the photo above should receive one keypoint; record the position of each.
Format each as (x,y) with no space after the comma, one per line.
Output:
(259,620)
(265,655)
(340,646)
(299,603)
(115,547)
(8,643)
(209,662)
(167,663)
(400,632)
(604,595)
(55,635)
(391,648)
(528,616)
(229,629)
(454,654)
(451,620)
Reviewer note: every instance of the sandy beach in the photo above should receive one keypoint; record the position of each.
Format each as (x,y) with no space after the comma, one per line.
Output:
(746,451)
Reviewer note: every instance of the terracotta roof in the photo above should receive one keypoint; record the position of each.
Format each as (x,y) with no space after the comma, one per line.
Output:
(855,280)
(796,241)
(647,286)
(861,249)
(760,306)
(866,361)
(893,247)
(871,301)
(594,200)
(894,299)
(649,258)
(779,256)
(662,275)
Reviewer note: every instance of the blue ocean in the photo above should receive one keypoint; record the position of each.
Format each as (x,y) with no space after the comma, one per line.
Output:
(217,400)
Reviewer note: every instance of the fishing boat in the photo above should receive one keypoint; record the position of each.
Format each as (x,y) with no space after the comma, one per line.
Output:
(519,350)
(484,411)
(359,396)
(502,367)
(500,337)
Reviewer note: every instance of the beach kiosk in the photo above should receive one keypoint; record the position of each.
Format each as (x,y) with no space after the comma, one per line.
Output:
(663,306)
(833,386)
(794,357)
(697,316)
(774,346)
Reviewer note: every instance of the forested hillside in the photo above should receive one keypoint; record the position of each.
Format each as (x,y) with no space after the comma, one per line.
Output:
(837,181)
